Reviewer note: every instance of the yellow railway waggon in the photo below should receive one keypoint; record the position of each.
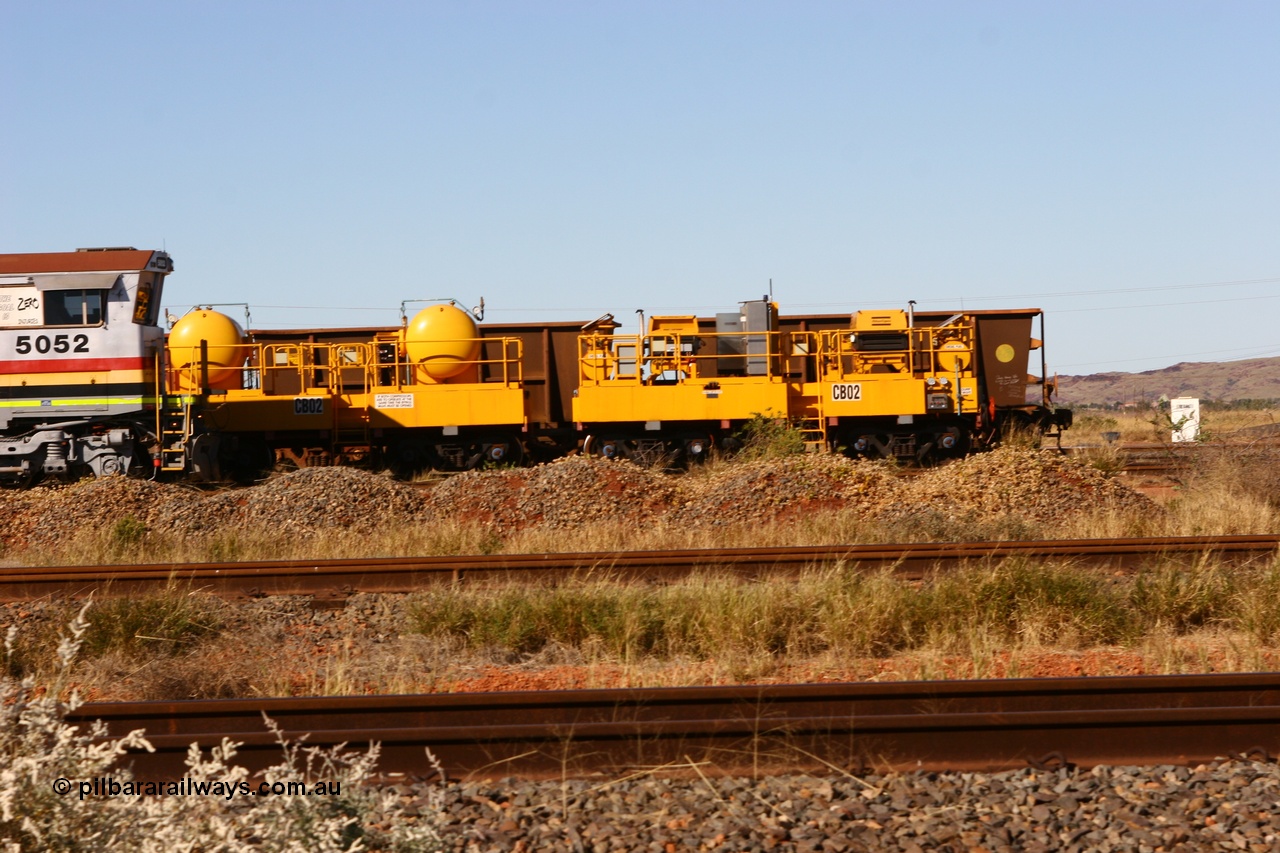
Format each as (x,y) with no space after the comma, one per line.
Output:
(90,382)
(900,384)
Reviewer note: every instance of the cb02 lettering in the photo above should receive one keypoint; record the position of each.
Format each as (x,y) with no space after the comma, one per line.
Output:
(846,392)
(308,406)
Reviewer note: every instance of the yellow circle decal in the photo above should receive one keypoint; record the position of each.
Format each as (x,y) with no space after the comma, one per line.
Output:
(1004,352)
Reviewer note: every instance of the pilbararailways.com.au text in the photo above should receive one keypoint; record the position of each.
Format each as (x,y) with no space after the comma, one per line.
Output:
(107,786)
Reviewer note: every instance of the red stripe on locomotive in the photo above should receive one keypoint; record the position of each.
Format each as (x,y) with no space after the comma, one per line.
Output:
(73,365)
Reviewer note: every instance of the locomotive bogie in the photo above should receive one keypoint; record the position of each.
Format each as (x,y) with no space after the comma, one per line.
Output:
(903,438)
(56,452)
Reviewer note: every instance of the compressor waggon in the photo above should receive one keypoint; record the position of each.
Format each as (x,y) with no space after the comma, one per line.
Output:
(899,384)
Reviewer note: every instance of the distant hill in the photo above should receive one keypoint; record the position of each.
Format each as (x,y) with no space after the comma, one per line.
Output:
(1255,379)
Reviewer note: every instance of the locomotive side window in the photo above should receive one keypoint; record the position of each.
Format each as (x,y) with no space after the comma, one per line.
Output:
(73,307)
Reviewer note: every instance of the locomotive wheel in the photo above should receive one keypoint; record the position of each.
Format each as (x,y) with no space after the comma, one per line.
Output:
(614,448)
(21,481)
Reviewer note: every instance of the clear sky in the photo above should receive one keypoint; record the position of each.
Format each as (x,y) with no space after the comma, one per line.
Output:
(1115,163)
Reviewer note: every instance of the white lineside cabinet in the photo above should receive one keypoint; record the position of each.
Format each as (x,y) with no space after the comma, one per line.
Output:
(1185,414)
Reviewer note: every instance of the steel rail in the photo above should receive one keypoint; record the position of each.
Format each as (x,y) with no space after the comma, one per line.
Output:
(1163,457)
(959,725)
(341,578)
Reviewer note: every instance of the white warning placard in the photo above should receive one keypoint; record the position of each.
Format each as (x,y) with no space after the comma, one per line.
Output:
(393,401)
(1184,412)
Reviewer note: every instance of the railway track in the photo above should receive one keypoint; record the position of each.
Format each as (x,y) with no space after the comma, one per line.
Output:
(338,579)
(956,725)
(1154,457)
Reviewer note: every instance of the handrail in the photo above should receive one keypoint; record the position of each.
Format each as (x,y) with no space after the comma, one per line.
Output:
(311,367)
(925,345)
(675,357)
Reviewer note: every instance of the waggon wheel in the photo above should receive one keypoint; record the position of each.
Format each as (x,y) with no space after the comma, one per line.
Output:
(605,448)
(695,450)
(508,452)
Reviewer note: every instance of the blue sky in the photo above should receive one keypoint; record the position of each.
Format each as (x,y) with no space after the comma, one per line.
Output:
(1117,164)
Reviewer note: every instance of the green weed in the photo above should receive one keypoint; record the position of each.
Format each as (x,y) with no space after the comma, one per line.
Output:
(768,437)
(166,622)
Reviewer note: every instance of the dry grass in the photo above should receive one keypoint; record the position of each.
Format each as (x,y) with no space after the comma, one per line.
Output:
(992,620)
(132,630)
(104,547)
(42,758)
(1209,505)
(988,620)
(1149,424)
(1015,604)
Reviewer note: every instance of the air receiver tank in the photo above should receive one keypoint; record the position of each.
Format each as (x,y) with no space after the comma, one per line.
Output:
(224,349)
(442,342)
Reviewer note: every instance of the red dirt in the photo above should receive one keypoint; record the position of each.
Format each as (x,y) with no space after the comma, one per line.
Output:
(1038,665)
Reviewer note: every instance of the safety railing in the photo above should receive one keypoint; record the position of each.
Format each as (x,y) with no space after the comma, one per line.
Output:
(291,368)
(498,360)
(921,351)
(671,358)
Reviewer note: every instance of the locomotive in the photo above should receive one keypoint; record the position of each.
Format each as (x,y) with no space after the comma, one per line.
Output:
(78,338)
(91,382)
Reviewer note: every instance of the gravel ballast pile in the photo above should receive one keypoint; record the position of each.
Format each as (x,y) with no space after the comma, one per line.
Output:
(566,493)
(1223,806)
(314,500)
(54,512)
(575,492)
(783,488)
(1033,485)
